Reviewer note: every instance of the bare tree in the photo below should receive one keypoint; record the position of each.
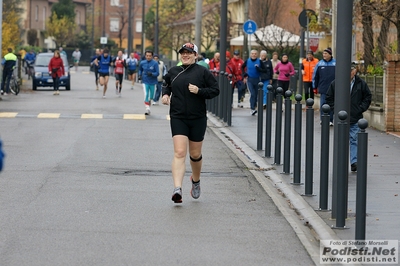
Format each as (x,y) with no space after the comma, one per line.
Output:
(123,15)
(368,34)
(265,12)
(211,27)
(389,10)
(383,38)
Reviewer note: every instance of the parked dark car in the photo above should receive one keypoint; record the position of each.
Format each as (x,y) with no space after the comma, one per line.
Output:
(42,78)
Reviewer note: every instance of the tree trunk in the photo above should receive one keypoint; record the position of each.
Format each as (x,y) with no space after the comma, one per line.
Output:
(398,29)
(368,35)
(383,37)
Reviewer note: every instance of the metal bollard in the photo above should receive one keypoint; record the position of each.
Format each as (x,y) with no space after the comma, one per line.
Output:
(342,171)
(278,126)
(288,130)
(297,140)
(361,189)
(221,95)
(230,101)
(213,101)
(268,121)
(225,100)
(308,183)
(260,116)
(324,167)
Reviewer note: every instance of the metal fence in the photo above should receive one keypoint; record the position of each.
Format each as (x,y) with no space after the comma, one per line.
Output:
(376,85)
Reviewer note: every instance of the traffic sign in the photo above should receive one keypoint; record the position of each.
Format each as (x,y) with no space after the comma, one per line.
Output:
(250,27)
(304,17)
(103,40)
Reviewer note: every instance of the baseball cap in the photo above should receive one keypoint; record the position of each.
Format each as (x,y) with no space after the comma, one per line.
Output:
(310,52)
(228,54)
(236,52)
(191,47)
(353,66)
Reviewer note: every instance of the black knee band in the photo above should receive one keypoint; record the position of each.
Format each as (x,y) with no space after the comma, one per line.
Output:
(196,160)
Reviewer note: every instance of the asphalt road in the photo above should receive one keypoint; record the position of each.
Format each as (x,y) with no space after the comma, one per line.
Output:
(97,190)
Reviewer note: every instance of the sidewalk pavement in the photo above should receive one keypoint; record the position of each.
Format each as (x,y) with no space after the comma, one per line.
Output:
(383,201)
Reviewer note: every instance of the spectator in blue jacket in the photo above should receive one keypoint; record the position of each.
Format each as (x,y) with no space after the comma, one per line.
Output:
(29,60)
(148,73)
(324,74)
(252,68)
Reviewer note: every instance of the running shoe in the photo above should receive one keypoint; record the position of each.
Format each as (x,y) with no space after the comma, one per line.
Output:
(147,111)
(195,192)
(177,195)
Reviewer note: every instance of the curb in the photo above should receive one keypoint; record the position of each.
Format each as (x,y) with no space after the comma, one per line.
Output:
(306,223)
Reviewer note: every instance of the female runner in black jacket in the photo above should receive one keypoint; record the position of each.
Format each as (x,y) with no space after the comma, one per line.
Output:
(185,89)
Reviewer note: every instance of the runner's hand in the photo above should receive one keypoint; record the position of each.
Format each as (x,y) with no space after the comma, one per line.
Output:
(166,99)
(193,88)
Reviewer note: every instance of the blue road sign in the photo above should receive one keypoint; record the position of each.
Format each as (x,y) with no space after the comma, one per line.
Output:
(249,27)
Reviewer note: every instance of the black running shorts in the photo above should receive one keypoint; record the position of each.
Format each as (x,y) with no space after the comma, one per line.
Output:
(194,129)
(119,77)
(104,74)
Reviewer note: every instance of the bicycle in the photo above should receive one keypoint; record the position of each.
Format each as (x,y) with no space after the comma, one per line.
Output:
(14,84)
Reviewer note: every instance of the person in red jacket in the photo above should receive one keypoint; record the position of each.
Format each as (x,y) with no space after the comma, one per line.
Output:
(231,69)
(214,64)
(56,70)
(238,62)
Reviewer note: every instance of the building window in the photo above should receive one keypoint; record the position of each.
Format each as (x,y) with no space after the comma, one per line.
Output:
(37,13)
(114,3)
(139,2)
(44,17)
(78,17)
(114,24)
(138,25)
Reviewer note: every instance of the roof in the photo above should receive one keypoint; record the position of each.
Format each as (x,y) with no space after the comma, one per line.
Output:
(271,35)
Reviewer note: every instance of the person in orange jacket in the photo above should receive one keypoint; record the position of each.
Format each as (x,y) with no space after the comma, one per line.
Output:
(307,69)
(56,70)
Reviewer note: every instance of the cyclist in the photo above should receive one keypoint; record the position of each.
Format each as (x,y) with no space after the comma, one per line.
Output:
(29,60)
(9,61)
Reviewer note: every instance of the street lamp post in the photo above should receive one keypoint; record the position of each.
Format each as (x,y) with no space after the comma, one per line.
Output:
(156,30)
(104,20)
(143,20)
(130,28)
(92,25)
